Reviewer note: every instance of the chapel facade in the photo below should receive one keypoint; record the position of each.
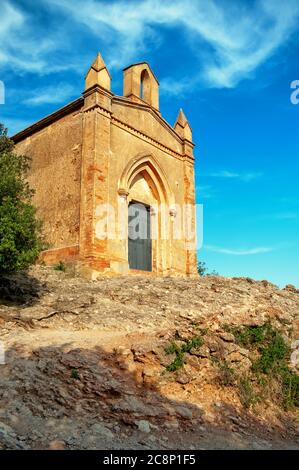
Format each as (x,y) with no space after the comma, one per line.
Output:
(114,182)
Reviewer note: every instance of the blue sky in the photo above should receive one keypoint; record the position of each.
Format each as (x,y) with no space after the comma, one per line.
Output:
(229,64)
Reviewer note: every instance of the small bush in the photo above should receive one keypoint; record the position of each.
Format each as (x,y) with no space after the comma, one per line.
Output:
(177,363)
(203,270)
(173,348)
(195,342)
(290,387)
(226,374)
(179,352)
(60,266)
(246,392)
(250,335)
(270,370)
(272,355)
(75,374)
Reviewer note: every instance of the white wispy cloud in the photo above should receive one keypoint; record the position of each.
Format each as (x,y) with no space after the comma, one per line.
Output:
(240,252)
(31,47)
(245,176)
(18,50)
(172,87)
(240,36)
(50,95)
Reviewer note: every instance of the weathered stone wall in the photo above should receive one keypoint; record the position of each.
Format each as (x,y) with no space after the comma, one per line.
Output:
(55,176)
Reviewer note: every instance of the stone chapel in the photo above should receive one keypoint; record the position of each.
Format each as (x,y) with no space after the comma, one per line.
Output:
(114,182)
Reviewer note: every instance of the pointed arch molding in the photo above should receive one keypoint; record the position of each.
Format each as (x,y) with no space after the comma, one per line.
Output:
(146,163)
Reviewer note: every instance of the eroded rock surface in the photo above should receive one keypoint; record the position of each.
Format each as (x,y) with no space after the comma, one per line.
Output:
(86,363)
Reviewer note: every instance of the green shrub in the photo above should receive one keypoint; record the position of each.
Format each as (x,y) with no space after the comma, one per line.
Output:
(75,374)
(290,388)
(20,230)
(177,363)
(60,266)
(246,392)
(272,354)
(250,335)
(203,270)
(270,370)
(179,352)
(195,342)
(226,374)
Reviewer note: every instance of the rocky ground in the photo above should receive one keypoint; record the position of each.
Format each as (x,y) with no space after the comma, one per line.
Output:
(85,363)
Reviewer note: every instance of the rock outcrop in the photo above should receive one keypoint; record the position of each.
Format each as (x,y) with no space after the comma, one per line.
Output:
(87,363)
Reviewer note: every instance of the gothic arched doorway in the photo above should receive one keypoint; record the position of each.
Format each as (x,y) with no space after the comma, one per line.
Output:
(148,199)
